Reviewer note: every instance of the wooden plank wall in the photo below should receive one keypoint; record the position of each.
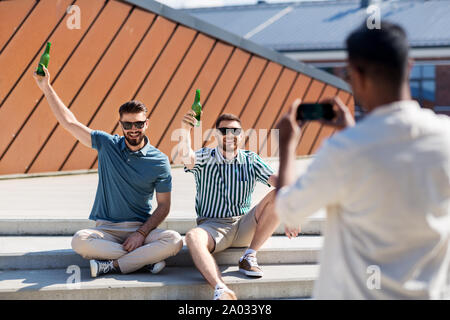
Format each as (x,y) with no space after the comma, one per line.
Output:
(141,56)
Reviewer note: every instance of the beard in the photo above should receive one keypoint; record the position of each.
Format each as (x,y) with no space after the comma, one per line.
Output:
(135,141)
(230,147)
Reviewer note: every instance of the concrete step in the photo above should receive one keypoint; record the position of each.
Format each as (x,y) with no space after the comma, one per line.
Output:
(21,253)
(173,283)
(59,204)
(68,226)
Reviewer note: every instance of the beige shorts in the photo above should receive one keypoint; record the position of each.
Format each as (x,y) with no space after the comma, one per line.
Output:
(230,232)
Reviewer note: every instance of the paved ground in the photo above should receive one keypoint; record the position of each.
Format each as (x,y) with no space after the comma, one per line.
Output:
(72,196)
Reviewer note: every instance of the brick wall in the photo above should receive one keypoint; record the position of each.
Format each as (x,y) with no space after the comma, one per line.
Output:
(443,85)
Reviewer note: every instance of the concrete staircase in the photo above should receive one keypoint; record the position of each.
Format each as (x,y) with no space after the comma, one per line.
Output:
(38,216)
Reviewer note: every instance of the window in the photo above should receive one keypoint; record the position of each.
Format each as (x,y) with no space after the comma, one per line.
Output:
(327,69)
(423,82)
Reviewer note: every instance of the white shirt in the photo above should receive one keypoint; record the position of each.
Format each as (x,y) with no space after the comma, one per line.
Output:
(386,186)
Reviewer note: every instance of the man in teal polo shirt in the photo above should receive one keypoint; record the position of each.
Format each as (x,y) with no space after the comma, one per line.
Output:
(130,170)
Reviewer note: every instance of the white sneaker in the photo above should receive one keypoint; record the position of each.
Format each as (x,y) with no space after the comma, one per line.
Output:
(156,267)
(223,293)
(100,267)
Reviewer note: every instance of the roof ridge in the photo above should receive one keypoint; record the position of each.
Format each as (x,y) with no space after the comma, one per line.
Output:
(288,3)
(271,5)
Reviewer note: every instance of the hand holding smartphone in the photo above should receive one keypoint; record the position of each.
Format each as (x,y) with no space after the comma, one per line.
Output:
(329,112)
(315,111)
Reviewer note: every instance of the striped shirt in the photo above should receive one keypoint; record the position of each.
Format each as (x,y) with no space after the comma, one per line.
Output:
(225,187)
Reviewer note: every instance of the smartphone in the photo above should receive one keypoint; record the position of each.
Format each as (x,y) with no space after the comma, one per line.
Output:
(315,111)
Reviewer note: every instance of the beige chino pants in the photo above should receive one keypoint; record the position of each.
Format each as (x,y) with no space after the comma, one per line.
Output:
(105,241)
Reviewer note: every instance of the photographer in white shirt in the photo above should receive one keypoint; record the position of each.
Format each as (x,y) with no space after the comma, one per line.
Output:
(384,181)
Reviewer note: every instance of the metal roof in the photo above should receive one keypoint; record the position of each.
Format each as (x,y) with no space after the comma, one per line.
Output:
(237,40)
(324,25)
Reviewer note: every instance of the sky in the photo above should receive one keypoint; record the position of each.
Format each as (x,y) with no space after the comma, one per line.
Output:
(215,3)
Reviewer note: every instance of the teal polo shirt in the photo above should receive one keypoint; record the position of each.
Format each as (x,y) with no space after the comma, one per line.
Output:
(127,179)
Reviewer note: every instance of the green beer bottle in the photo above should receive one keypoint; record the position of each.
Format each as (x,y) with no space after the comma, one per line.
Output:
(197,107)
(45,58)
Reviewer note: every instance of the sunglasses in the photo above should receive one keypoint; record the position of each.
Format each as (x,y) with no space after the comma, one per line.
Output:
(234,131)
(128,125)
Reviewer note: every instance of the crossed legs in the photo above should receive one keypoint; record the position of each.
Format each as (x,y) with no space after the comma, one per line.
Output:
(106,244)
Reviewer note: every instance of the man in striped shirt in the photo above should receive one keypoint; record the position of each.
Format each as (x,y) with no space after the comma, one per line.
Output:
(225,177)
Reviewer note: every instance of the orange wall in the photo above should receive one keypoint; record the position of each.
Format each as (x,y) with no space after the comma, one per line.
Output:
(139,55)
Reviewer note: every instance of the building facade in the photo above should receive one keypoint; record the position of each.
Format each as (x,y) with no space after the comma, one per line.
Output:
(314,32)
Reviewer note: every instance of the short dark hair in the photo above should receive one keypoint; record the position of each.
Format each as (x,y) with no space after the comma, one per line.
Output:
(227,117)
(380,52)
(133,106)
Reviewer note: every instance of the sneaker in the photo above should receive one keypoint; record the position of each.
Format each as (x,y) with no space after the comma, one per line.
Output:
(249,266)
(100,267)
(221,293)
(156,267)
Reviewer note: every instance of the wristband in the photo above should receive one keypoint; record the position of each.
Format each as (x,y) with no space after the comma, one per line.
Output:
(141,232)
